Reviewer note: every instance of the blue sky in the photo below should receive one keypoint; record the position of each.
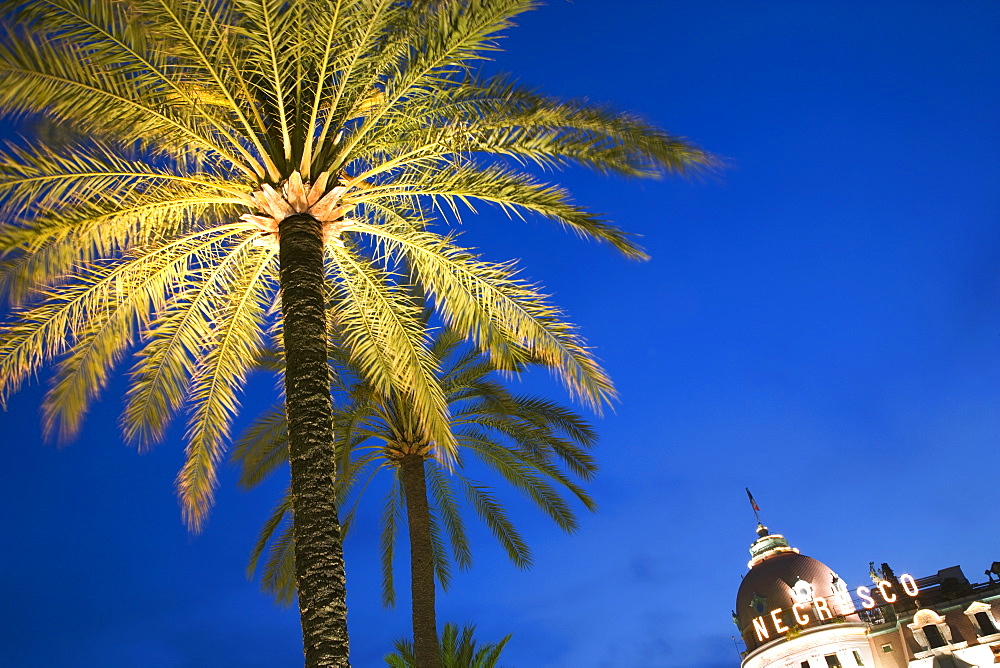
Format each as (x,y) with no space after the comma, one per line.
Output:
(820,322)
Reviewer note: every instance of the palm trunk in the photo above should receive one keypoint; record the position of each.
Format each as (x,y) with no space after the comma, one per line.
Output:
(319,557)
(422,587)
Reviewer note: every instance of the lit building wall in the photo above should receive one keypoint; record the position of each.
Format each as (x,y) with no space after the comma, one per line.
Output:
(845,645)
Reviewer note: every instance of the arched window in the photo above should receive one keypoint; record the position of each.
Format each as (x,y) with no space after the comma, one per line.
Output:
(933,635)
(930,630)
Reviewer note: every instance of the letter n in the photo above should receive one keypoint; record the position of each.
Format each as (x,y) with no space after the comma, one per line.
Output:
(761,628)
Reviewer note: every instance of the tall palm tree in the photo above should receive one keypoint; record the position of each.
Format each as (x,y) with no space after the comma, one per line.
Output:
(239,154)
(534,444)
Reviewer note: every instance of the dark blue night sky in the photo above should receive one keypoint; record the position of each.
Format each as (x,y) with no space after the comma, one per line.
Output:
(820,322)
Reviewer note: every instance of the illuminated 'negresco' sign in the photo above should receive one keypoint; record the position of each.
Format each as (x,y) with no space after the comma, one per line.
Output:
(806,613)
(884,587)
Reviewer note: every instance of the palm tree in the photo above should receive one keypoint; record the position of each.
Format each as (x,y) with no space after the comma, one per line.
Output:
(457,651)
(527,441)
(235,155)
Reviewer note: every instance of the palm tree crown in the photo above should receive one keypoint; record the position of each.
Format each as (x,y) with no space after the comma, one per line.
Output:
(457,650)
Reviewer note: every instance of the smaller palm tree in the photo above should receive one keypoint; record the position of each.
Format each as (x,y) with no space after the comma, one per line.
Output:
(534,444)
(457,651)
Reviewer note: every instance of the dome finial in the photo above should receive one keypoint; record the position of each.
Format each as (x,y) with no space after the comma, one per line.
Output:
(767,544)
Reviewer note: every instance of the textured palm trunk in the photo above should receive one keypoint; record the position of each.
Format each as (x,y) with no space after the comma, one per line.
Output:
(319,557)
(422,592)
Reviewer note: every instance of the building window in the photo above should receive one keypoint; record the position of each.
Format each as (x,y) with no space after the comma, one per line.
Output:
(981,616)
(933,635)
(887,649)
(857,658)
(986,626)
(930,630)
(804,664)
(832,661)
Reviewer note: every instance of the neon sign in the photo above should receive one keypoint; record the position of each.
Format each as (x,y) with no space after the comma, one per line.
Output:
(821,611)
(884,587)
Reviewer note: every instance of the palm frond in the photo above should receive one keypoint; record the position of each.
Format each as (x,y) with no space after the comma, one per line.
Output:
(69,82)
(262,447)
(520,473)
(386,338)
(513,191)
(274,521)
(84,372)
(500,312)
(447,506)
(278,577)
(183,332)
(142,284)
(392,517)
(492,513)
(439,555)
(220,375)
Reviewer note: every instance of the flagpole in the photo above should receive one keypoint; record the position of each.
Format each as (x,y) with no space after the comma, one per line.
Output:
(754,506)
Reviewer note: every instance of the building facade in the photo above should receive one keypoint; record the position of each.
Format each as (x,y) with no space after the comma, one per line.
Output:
(793,611)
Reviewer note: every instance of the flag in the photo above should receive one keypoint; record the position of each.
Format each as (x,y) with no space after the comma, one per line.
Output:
(753,503)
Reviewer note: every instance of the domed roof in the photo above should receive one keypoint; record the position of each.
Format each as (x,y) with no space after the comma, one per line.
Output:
(774,580)
(779,579)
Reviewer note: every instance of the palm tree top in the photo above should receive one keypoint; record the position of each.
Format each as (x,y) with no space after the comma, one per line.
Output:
(537,446)
(458,650)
